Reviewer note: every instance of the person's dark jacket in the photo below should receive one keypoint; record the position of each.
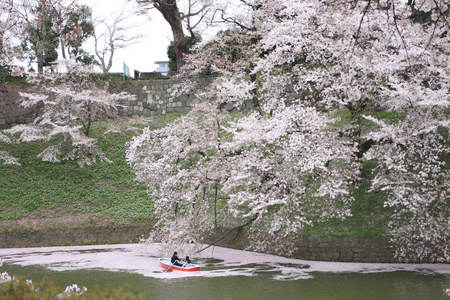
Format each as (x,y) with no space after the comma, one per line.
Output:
(175,260)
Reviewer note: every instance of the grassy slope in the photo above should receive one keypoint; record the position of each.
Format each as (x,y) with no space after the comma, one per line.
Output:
(108,190)
(369,216)
(38,189)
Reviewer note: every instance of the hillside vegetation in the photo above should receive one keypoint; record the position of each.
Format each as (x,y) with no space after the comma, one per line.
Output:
(40,195)
(43,196)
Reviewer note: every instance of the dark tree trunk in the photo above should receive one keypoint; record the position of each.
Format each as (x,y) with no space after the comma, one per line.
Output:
(40,62)
(171,13)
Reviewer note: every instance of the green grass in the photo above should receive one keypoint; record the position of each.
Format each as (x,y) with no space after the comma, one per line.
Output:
(104,189)
(369,216)
(109,190)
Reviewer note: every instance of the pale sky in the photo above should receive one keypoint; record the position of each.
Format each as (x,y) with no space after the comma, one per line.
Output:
(150,48)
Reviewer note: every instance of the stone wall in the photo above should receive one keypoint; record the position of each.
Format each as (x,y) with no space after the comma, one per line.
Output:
(344,249)
(348,249)
(153,98)
(10,111)
(93,236)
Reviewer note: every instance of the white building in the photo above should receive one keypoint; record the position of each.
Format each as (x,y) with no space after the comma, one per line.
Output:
(163,67)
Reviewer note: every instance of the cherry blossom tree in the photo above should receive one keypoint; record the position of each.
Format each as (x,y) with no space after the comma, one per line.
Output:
(305,60)
(413,168)
(292,171)
(207,170)
(264,168)
(11,31)
(4,155)
(68,104)
(384,55)
(183,160)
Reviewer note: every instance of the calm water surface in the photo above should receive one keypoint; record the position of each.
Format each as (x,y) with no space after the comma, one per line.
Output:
(222,279)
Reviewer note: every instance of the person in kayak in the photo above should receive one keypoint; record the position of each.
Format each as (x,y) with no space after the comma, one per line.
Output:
(188,260)
(175,260)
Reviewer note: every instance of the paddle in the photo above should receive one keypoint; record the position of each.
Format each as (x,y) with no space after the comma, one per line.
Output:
(195,262)
(169,267)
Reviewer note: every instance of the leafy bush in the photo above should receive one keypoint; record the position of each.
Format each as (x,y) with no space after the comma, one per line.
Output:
(20,288)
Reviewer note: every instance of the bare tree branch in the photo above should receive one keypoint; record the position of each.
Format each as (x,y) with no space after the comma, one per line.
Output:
(115,37)
(238,231)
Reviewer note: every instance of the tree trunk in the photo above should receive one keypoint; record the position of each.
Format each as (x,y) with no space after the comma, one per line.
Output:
(63,49)
(171,13)
(40,62)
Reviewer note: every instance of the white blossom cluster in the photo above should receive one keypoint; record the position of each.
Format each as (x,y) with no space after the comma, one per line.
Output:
(4,277)
(68,292)
(447,292)
(72,290)
(69,102)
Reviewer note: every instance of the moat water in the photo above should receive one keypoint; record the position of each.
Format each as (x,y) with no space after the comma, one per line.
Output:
(225,274)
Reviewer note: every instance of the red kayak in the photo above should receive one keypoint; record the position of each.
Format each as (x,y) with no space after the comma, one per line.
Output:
(167,265)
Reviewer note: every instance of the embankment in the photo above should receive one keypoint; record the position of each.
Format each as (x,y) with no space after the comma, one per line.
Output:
(345,249)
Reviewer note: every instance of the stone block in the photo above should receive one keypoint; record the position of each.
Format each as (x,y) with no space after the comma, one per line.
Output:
(180,109)
(385,259)
(327,256)
(229,106)
(347,254)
